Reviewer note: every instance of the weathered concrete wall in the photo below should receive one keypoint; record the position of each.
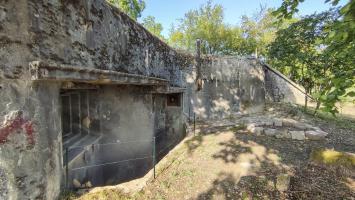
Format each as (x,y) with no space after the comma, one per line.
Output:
(279,88)
(30,147)
(82,33)
(230,85)
(94,34)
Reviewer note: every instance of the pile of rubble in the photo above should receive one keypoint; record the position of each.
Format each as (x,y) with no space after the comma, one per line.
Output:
(283,128)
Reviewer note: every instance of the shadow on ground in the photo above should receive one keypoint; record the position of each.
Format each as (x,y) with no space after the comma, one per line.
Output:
(261,160)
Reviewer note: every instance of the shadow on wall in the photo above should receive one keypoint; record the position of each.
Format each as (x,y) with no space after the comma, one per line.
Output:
(230,85)
(279,90)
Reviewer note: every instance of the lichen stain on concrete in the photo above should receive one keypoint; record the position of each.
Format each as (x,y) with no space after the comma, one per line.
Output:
(13,125)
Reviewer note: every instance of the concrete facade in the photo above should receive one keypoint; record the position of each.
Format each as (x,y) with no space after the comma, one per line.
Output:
(279,88)
(230,85)
(122,85)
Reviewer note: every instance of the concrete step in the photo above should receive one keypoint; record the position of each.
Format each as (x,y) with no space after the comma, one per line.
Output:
(76,149)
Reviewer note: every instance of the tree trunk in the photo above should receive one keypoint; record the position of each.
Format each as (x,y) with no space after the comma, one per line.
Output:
(317,108)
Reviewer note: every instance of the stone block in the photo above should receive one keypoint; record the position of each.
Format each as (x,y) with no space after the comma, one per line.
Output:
(308,126)
(316,135)
(277,123)
(250,127)
(298,135)
(268,123)
(289,122)
(283,134)
(302,126)
(270,132)
(259,123)
(257,131)
(315,128)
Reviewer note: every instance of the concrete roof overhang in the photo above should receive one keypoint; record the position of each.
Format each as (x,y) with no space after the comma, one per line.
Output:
(169,90)
(42,71)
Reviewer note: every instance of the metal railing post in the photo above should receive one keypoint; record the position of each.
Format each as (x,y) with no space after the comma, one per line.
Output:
(194,123)
(154,159)
(66,168)
(189,114)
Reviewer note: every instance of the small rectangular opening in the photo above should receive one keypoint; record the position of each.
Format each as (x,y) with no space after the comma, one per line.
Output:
(174,99)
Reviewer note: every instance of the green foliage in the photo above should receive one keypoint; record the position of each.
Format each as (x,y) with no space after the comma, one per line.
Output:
(154,27)
(132,8)
(260,30)
(206,23)
(298,50)
(318,52)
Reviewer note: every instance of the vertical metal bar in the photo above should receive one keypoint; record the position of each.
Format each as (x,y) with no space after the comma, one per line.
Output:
(79,105)
(99,113)
(194,123)
(154,159)
(66,168)
(189,114)
(88,109)
(70,115)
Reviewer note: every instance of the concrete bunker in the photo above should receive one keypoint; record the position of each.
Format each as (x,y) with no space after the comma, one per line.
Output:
(128,75)
(106,122)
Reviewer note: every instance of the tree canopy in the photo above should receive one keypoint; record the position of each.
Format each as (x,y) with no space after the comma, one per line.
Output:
(321,45)
(207,23)
(153,26)
(132,8)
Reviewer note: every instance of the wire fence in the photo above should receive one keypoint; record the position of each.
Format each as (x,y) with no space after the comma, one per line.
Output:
(93,164)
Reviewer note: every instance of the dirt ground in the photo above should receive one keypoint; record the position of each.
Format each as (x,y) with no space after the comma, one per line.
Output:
(229,163)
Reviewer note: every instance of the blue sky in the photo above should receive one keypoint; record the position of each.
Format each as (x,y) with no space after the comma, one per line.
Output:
(167,11)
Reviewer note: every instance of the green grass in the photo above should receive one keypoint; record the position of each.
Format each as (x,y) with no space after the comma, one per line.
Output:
(339,120)
(238,128)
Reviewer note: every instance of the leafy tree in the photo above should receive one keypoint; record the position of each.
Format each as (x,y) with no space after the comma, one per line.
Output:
(259,30)
(205,23)
(132,8)
(297,50)
(154,27)
(339,48)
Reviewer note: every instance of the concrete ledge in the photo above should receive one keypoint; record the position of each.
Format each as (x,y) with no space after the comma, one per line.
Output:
(41,71)
(169,90)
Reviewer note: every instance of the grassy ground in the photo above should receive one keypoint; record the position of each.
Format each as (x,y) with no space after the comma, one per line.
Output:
(225,163)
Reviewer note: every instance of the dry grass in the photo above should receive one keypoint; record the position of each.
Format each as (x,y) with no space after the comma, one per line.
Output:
(103,194)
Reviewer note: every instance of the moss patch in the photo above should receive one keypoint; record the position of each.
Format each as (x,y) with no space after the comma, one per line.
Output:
(238,128)
(332,157)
